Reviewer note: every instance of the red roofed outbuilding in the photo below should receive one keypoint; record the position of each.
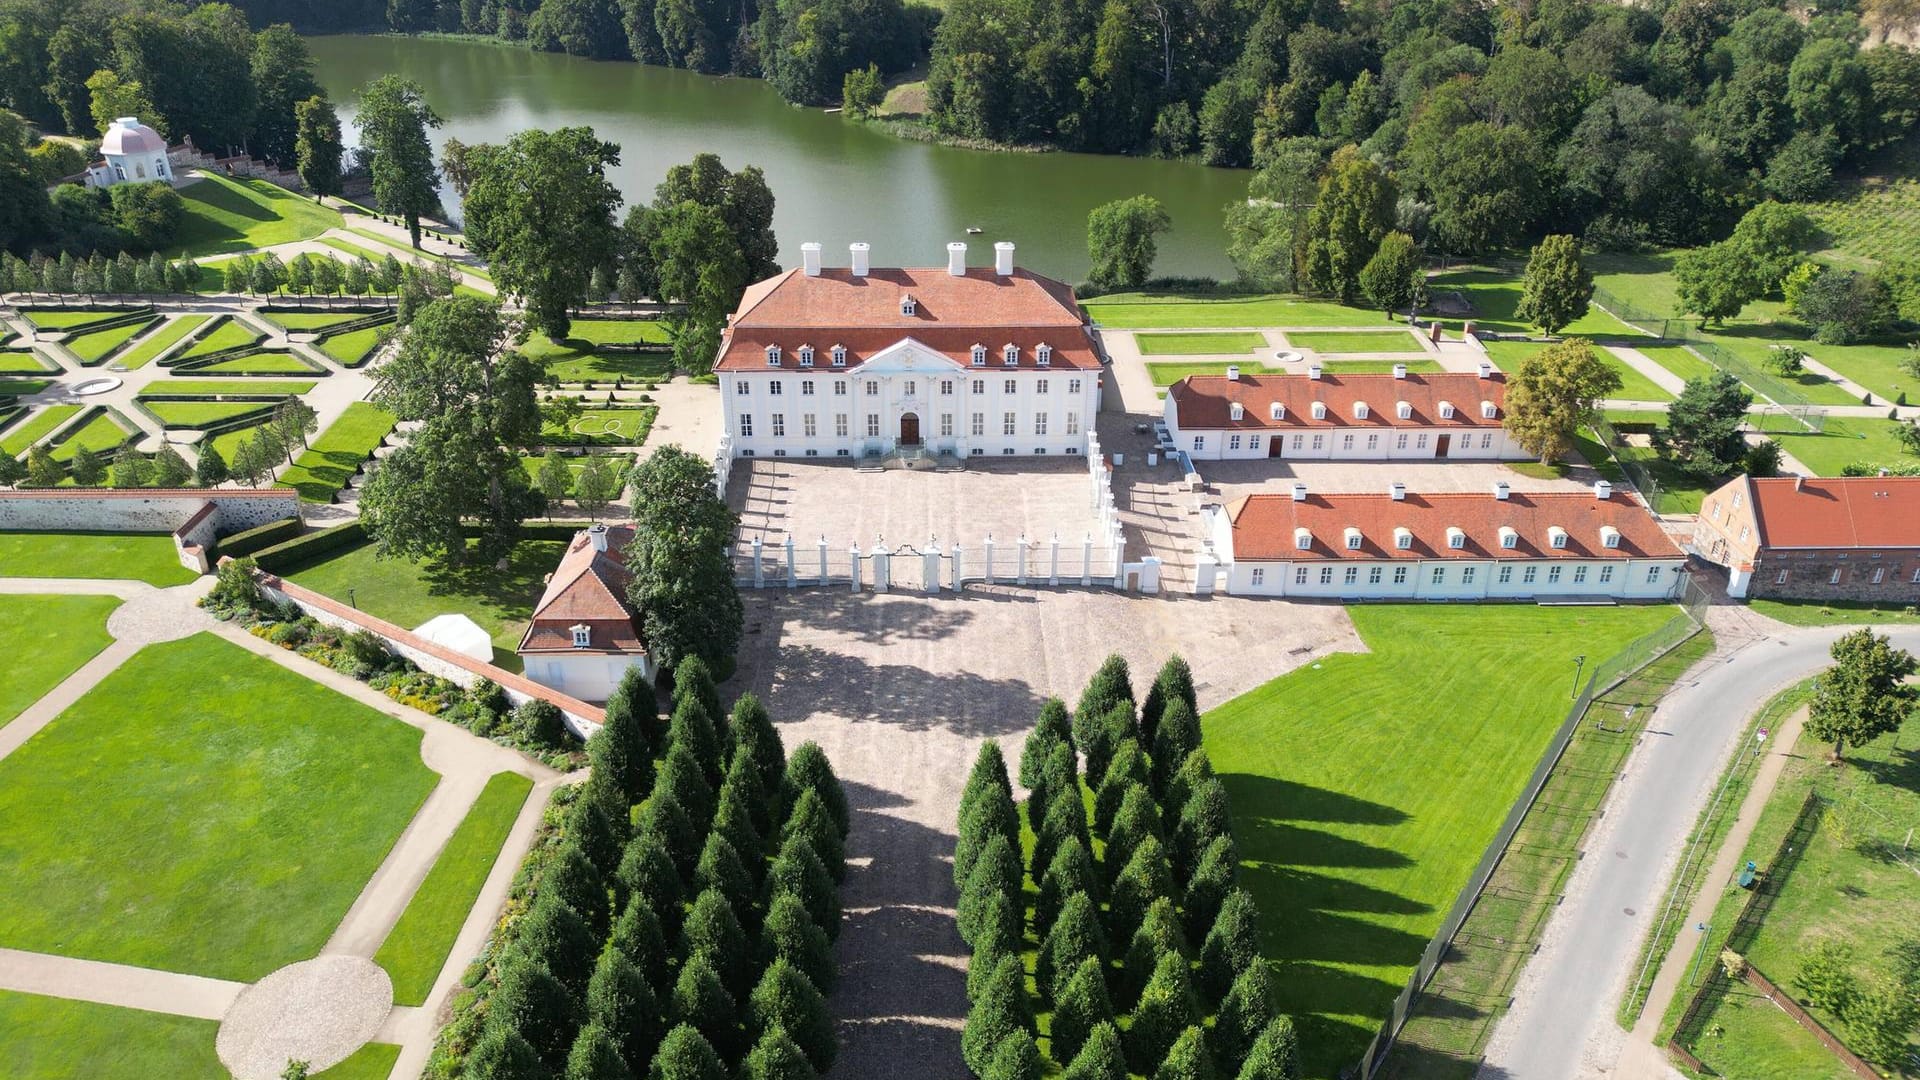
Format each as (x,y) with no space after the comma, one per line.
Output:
(584,633)
(1815,538)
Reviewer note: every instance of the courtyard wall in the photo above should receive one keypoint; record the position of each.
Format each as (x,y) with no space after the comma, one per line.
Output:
(196,517)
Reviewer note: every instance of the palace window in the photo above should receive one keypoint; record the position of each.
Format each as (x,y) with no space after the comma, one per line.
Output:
(1373,442)
(1606,575)
(1009,423)
(1399,575)
(1527,575)
(910,387)
(1073,386)
(806,356)
(1043,354)
(1352,576)
(946,425)
(873,388)
(1553,575)
(1040,386)
(909,306)
(1010,355)
(1073,423)
(773,356)
(582,637)
(839,356)
(1505,577)
(779,425)
(1299,441)
(746,425)
(1300,575)
(839,388)
(1400,441)
(1579,575)
(1259,576)
(774,387)
(1326,575)
(979,356)
(1012,387)
(1253,442)
(809,426)
(742,387)
(1373,575)
(1199,442)
(1467,573)
(806,387)
(979,386)
(1319,441)
(1039,423)
(946,387)
(1439,575)
(1233,442)
(840,425)
(1420,442)
(873,425)
(1653,574)
(979,424)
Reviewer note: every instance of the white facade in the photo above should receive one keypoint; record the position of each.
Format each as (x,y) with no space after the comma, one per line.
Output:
(1329,439)
(589,676)
(907,395)
(130,153)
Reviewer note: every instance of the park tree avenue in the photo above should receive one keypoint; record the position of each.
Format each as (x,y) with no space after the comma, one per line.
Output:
(1554,392)
(1864,695)
(540,209)
(475,403)
(682,573)
(393,122)
(1557,287)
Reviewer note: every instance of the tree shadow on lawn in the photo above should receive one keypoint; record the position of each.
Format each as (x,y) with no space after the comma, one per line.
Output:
(1900,769)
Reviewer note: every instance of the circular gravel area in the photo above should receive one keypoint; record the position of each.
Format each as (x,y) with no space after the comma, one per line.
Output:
(318,1011)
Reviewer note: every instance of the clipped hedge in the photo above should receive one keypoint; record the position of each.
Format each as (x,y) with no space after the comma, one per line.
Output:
(283,556)
(125,317)
(248,541)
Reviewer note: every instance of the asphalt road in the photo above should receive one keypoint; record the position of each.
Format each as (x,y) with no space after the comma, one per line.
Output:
(1561,1025)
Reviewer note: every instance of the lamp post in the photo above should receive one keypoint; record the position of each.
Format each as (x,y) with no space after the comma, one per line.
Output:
(1694,968)
(351,602)
(1579,665)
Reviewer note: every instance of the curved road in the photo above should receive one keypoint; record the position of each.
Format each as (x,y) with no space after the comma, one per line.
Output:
(1561,1024)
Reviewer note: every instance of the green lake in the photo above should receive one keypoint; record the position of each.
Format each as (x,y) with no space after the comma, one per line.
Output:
(834,180)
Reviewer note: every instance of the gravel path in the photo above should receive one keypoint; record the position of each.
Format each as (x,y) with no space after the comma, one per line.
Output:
(318,1011)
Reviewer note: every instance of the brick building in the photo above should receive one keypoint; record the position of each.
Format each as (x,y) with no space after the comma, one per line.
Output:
(1811,538)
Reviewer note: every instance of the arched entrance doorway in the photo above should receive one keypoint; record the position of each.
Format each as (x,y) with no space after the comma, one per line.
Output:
(909,429)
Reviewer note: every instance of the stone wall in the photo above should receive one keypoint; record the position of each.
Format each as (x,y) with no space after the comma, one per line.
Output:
(1812,578)
(582,718)
(194,539)
(153,510)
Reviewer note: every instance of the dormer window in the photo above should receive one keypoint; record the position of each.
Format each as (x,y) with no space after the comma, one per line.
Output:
(839,356)
(1359,410)
(909,306)
(1302,538)
(1043,354)
(773,356)
(582,635)
(1403,410)
(1236,411)
(979,356)
(1319,410)
(1010,354)
(1487,411)
(1353,538)
(1403,538)
(1609,536)
(1456,538)
(806,356)
(1446,410)
(1278,410)
(1556,537)
(1509,538)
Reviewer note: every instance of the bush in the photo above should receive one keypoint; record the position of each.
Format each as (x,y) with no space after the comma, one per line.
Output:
(365,650)
(1216,875)
(996,873)
(1137,820)
(555,936)
(787,1000)
(1159,936)
(685,1054)
(1080,1006)
(1203,819)
(1176,736)
(1071,871)
(280,557)
(1000,935)
(596,1056)
(638,936)
(809,769)
(1065,820)
(798,871)
(1076,936)
(502,1054)
(701,1001)
(691,731)
(1016,1058)
(742,786)
(720,870)
(251,540)
(1167,1008)
(1232,946)
(1128,768)
(734,822)
(682,776)
(1245,1013)
(1100,1058)
(812,821)
(1275,1055)
(991,814)
(1188,1059)
(532,1003)
(1001,1010)
(540,723)
(776,1057)
(713,929)
(789,935)
(1174,683)
(751,733)
(647,875)
(1053,728)
(234,591)
(1826,975)
(573,880)
(1147,877)
(989,775)
(598,823)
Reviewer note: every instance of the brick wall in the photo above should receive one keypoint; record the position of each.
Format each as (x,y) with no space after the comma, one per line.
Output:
(159,510)
(1812,578)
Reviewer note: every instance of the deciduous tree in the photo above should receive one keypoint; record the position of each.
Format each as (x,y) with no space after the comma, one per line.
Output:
(393,121)
(1553,393)
(1703,425)
(1120,241)
(1557,287)
(682,573)
(1864,694)
(1396,277)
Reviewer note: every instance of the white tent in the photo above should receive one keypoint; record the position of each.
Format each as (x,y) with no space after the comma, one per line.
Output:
(459,633)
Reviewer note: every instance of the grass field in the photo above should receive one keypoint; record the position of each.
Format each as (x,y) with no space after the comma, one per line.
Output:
(577,359)
(101,434)
(1198,344)
(48,638)
(354,249)
(94,348)
(23,387)
(604,427)
(409,593)
(271,362)
(417,948)
(310,321)
(147,557)
(71,319)
(33,428)
(352,348)
(1634,386)
(1495,297)
(1842,442)
(1151,311)
(1168,372)
(226,214)
(1351,847)
(576,463)
(228,442)
(1837,612)
(231,827)
(193,414)
(230,334)
(162,339)
(325,467)
(1679,360)
(1355,341)
(186,385)
(23,362)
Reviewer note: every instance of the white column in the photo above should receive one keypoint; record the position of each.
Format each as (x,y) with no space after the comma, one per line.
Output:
(1086,560)
(853,550)
(989,548)
(882,568)
(759,567)
(792,571)
(1053,575)
(1203,571)
(957,553)
(1020,560)
(823,560)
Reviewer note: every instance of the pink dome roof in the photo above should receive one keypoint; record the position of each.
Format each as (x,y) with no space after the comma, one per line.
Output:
(128,136)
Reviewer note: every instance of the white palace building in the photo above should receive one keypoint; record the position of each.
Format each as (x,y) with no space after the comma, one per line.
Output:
(860,362)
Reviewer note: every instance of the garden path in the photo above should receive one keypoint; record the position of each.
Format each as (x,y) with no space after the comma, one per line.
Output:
(117,984)
(1645,365)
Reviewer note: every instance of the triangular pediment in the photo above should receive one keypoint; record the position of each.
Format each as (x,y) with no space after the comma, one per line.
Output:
(909,354)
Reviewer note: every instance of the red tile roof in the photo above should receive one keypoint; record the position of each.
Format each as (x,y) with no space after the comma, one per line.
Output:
(1846,512)
(951,315)
(1204,402)
(1264,524)
(588,587)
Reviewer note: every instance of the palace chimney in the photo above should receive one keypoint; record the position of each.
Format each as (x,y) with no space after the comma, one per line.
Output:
(1003,258)
(861,253)
(957,259)
(598,534)
(810,259)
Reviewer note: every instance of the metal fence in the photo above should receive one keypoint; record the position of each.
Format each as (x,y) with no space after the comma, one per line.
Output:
(1606,675)
(1685,332)
(907,568)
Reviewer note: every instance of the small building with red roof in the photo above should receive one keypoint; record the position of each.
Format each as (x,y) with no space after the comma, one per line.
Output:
(859,362)
(1401,545)
(585,633)
(1321,415)
(1815,538)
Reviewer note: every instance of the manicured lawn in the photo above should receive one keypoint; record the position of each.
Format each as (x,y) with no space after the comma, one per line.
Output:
(1355,341)
(162,339)
(373,1061)
(417,948)
(577,360)
(23,387)
(1678,492)
(1366,786)
(1842,442)
(47,639)
(227,214)
(230,334)
(1679,360)
(147,557)
(409,593)
(71,319)
(95,347)
(235,811)
(1168,372)
(228,442)
(33,428)
(215,387)
(1495,297)
(354,249)
(23,362)
(326,466)
(1148,311)
(307,321)
(619,463)
(353,348)
(613,332)
(1837,612)
(605,427)
(102,433)
(44,1038)
(1202,344)
(1508,355)
(271,362)
(191,414)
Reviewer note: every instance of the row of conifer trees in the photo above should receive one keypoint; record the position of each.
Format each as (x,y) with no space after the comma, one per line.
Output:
(1141,930)
(679,925)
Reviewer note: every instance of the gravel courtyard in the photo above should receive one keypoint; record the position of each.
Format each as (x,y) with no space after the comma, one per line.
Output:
(901,689)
